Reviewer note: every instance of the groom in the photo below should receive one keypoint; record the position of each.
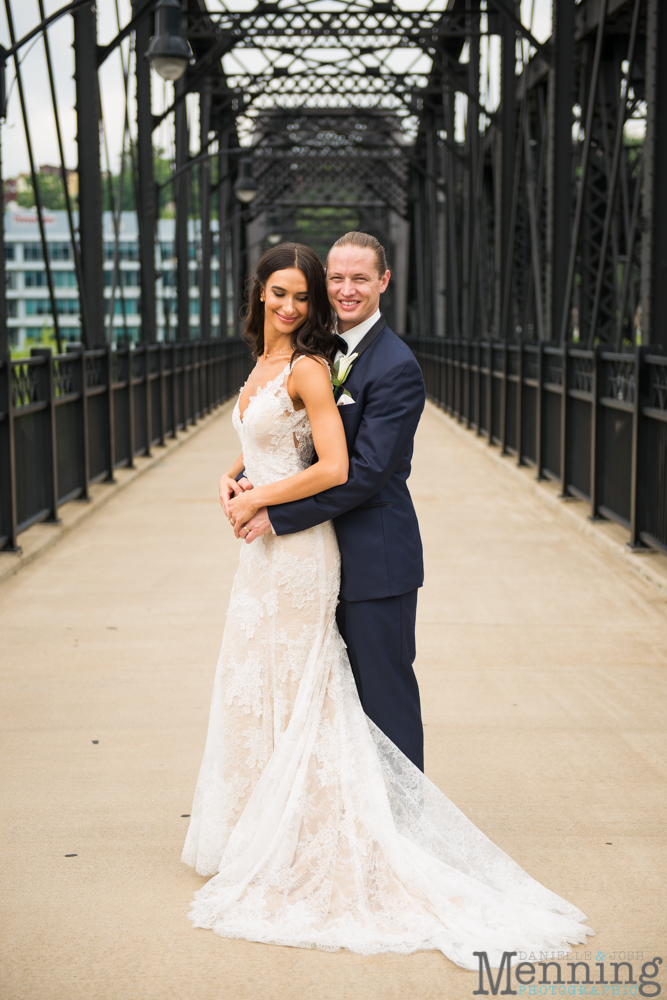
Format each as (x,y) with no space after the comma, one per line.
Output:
(375,521)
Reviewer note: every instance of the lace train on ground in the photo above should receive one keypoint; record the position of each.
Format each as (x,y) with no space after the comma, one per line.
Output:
(318,831)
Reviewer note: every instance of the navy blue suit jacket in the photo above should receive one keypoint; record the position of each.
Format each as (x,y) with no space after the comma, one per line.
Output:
(373,514)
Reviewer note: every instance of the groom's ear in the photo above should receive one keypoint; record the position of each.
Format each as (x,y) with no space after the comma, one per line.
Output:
(384,281)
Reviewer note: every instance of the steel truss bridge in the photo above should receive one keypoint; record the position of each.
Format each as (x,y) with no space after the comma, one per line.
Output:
(517,184)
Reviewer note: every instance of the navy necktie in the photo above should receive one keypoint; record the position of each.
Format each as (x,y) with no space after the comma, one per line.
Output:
(342,343)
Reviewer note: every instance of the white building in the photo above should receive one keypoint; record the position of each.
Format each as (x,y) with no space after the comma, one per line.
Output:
(28,302)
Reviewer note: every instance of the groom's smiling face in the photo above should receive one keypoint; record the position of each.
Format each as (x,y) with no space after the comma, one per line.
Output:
(354,285)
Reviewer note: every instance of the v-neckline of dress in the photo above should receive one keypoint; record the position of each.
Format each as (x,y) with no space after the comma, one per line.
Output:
(259,390)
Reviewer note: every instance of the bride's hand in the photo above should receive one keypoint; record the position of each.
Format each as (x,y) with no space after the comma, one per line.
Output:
(243,506)
(227,489)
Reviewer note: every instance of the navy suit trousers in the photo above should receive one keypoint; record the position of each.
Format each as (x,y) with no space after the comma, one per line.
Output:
(380,638)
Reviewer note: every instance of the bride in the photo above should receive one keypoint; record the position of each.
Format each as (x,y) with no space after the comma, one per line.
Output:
(316,828)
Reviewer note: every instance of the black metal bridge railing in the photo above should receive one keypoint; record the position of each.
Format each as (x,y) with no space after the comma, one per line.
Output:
(69,420)
(593,420)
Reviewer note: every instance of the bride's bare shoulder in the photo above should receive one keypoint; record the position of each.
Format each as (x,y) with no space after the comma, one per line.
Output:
(305,366)
(310,379)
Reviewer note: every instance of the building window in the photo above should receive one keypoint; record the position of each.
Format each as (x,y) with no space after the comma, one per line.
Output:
(70,333)
(37,307)
(131,307)
(67,307)
(61,279)
(11,280)
(42,307)
(128,279)
(10,251)
(194,307)
(12,310)
(57,251)
(60,251)
(126,251)
(34,279)
(64,279)
(166,251)
(32,251)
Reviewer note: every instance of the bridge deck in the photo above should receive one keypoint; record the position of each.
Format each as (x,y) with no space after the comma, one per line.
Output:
(541,663)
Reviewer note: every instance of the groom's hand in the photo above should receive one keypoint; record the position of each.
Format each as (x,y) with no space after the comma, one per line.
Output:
(259,524)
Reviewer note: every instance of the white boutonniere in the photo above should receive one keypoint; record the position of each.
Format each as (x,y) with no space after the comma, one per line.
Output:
(341,370)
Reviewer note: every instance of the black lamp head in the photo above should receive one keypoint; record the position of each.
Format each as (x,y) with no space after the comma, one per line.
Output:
(169,53)
(245,187)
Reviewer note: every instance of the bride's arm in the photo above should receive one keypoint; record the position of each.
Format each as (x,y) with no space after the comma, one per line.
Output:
(311,384)
(228,487)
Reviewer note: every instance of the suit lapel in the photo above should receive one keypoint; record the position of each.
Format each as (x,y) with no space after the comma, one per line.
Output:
(366,342)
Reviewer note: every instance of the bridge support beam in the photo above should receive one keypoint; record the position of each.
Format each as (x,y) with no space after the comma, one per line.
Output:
(146,209)
(181,192)
(88,110)
(654,194)
(559,165)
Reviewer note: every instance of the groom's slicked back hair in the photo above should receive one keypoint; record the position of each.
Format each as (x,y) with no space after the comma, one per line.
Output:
(366,242)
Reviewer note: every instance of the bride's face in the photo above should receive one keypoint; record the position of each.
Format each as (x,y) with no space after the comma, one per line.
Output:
(285,298)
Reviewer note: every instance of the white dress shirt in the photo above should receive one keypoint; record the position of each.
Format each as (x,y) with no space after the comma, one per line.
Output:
(354,336)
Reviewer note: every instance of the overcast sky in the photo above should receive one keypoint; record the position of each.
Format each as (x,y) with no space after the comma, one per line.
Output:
(26,15)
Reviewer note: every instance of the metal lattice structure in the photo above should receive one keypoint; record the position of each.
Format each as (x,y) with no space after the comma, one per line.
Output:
(516,184)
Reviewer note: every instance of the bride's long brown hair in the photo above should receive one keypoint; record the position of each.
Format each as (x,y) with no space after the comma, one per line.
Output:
(314,337)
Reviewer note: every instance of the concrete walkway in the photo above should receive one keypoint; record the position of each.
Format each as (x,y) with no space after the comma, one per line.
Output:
(541,661)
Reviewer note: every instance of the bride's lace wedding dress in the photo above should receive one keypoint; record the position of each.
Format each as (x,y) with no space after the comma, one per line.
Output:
(316,828)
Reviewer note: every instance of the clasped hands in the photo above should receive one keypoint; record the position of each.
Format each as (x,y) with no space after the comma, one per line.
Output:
(247,519)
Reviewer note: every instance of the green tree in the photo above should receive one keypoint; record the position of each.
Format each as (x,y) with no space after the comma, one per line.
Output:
(50,189)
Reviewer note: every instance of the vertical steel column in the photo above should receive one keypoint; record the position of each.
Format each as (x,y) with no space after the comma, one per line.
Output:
(45,375)
(90,178)
(474,167)
(559,165)
(466,332)
(223,210)
(205,214)
(236,270)
(181,185)
(4,330)
(453,328)
(654,192)
(146,208)
(111,420)
(635,516)
(559,199)
(77,358)
(596,443)
(8,514)
(508,140)
(431,231)
(419,253)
